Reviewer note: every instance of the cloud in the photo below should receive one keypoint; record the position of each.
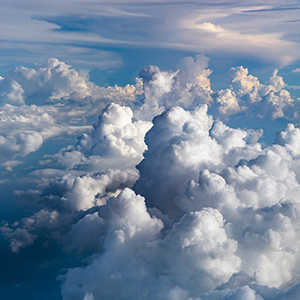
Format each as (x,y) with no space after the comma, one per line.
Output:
(242,293)
(180,207)
(85,234)
(49,82)
(20,145)
(173,146)
(198,241)
(128,228)
(190,86)
(129,236)
(69,203)
(251,93)
(51,100)
(237,39)
(55,82)
(236,29)
(87,192)
(54,99)
(18,238)
(228,102)
(239,220)
(116,139)
(185,87)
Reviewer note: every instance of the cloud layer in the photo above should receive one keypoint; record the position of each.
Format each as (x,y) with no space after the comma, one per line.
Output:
(263,30)
(159,198)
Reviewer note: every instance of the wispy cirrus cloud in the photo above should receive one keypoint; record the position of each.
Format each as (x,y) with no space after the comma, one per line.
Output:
(236,28)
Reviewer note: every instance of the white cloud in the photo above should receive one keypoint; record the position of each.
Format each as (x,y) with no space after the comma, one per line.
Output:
(237,225)
(51,81)
(20,145)
(88,296)
(259,29)
(237,40)
(174,144)
(261,99)
(87,191)
(204,254)
(187,87)
(50,100)
(64,197)
(116,139)
(128,228)
(228,102)
(75,98)
(212,214)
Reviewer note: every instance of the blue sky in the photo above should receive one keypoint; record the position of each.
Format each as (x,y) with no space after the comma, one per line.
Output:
(141,134)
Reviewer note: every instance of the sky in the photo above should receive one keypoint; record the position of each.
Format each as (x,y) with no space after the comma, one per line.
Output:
(149,150)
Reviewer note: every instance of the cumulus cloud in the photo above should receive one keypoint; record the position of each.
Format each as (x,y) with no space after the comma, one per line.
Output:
(88,191)
(23,233)
(18,238)
(237,223)
(128,239)
(175,136)
(56,82)
(51,82)
(54,99)
(183,207)
(245,293)
(128,228)
(115,140)
(70,201)
(262,99)
(190,86)
(187,87)
(228,102)
(20,145)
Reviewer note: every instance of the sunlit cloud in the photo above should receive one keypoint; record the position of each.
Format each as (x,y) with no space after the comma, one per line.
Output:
(149,150)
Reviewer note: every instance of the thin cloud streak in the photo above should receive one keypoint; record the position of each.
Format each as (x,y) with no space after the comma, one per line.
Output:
(177,26)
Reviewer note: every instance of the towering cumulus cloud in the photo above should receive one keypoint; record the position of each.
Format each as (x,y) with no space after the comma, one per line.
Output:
(223,214)
(159,198)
